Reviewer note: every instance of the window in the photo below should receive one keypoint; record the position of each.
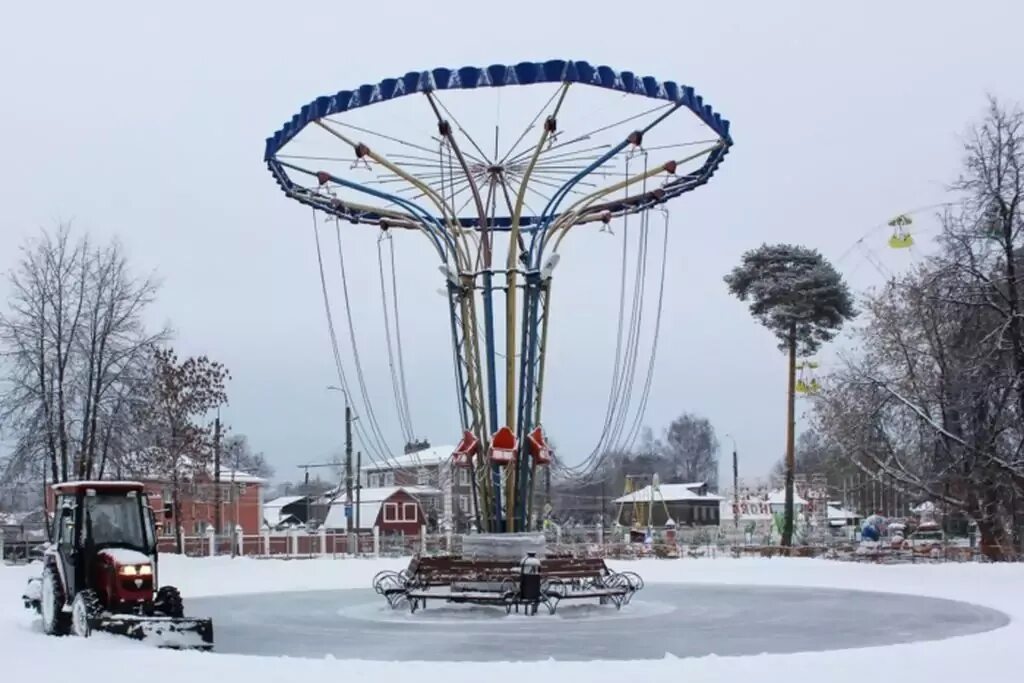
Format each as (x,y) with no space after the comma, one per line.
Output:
(463,477)
(390,512)
(409,512)
(115,519)
(64,521)
(423,476)
(465,507)
(372,480)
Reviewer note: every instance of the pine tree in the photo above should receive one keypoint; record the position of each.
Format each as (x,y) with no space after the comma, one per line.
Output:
(797,294)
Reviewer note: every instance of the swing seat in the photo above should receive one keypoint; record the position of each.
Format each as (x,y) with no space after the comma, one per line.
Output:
(539,450)
(898,241)
(503,446)
(463,454)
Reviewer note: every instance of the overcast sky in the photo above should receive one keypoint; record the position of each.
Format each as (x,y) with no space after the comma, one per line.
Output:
(147,122)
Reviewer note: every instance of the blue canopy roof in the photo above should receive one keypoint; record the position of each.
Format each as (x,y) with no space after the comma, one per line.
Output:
(498,75)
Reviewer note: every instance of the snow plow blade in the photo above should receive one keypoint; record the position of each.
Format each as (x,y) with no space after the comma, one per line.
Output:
(177,633)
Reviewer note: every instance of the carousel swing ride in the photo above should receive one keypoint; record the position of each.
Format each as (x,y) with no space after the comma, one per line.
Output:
(495,213)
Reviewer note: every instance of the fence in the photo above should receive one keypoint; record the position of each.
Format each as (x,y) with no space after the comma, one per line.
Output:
(582,543)
(21,542)
(300,544)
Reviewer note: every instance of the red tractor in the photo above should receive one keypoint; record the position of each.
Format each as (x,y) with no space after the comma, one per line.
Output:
(100,570)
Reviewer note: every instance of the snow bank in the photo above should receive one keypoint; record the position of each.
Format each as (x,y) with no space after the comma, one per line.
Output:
(990,656)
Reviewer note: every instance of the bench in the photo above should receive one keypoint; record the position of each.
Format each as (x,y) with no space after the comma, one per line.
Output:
(586,578)
(497,582)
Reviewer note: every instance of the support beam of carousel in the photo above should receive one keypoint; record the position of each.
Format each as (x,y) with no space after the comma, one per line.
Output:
(510,299)
(450,222)
(488,426)
(560,228)
(541,352)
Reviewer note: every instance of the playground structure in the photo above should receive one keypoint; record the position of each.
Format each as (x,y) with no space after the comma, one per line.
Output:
(476,200)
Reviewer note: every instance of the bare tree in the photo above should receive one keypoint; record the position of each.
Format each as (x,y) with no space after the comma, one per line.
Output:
(931,404)
(180,442)
(815,453)
(73,341)
(238,454)
(691,448)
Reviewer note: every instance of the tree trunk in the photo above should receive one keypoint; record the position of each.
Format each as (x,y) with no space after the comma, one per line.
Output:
(995,543)
(787,521)
(179,542)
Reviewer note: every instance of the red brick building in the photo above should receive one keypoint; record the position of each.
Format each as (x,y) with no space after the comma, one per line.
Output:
(241,503)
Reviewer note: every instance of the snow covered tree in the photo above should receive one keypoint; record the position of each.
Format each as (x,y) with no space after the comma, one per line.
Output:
(75,347)
(797,294)
(935,402)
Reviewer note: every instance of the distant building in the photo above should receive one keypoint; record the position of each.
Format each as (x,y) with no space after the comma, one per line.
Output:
(241,503)
(686,504)
(430,466)
(760,508)
(392,509)
(286,512)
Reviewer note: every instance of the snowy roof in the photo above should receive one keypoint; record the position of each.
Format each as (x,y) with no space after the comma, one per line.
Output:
(778,497)
(838,516)
(227,474)
(273,511)
(282,501)
(667,493)
(276,516)
(835,512)
(370,502)
(74,484)
(428,457)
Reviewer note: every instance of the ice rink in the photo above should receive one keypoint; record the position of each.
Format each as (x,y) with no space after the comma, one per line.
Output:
(668,619)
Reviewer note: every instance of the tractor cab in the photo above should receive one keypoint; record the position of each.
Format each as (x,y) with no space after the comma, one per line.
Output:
(105,539)
(100,571)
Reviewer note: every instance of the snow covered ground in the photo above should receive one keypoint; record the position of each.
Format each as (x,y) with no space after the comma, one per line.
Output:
(988,656)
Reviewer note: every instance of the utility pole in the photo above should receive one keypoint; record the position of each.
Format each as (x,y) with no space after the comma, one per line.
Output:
(735,484)
(348,468)
(217,513)
(305,488)
(348,476)
(359,491)
(235,497)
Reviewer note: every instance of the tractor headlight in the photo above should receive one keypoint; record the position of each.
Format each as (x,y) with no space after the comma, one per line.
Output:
(136,570)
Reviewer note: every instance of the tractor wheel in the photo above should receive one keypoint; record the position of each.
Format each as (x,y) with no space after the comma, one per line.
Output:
(85,607)
(168,602)
(51,604)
